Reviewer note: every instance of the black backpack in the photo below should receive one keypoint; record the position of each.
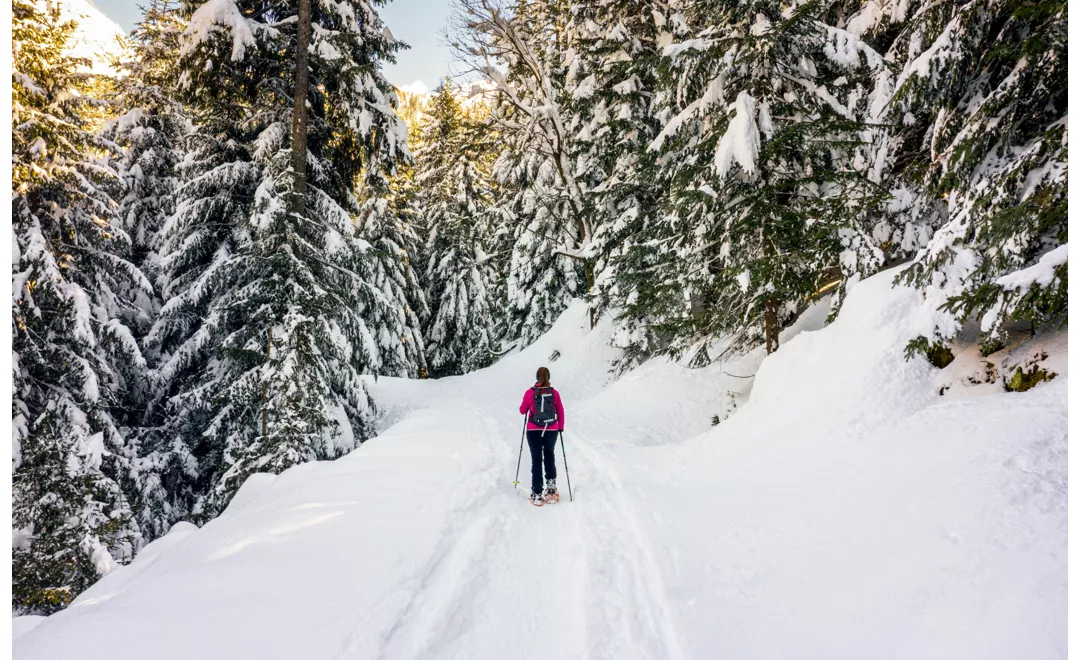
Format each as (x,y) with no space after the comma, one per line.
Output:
(543,410)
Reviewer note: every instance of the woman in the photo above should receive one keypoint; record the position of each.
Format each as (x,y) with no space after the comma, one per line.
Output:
(545,421)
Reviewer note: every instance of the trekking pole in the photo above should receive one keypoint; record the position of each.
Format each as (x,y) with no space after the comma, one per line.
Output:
(566,468)
(520,449)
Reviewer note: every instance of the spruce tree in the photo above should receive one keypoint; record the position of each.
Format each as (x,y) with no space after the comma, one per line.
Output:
(74,359)
(980,104)
(762,144)
(542,221)
(531,215)
(453,172)
(271,314)
(388,220)
(148,134)
(615,54)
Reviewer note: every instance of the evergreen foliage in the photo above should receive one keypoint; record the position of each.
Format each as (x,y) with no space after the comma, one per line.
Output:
(272,316)
(453,174)
(988,93)
(615,58)
(388,219)
(148,133)
(761,140)
(74,358)
(543,224)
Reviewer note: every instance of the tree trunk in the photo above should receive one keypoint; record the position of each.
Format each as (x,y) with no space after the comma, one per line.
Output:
(300,98)
(772,317)
(590,272)
(590,282)
(772,326)
(266,386)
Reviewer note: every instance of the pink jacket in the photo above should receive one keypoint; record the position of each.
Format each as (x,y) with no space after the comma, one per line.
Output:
(526,409)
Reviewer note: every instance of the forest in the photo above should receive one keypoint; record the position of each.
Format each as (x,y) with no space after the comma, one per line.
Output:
(222,242)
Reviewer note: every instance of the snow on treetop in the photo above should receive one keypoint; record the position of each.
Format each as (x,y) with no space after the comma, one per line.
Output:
(210,18)
(96,38)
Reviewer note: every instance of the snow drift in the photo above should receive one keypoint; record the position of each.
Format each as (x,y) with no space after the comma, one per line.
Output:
(845,510)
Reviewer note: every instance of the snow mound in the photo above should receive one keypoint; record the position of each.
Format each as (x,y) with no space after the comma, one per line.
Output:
(844,508)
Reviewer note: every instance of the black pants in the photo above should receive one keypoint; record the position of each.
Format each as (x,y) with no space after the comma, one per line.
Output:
(542,441)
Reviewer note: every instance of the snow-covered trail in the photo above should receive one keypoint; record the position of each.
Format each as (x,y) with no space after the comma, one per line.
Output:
(574,579)
(845,511)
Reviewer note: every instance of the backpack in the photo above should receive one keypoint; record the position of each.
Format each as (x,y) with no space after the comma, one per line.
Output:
(543,408)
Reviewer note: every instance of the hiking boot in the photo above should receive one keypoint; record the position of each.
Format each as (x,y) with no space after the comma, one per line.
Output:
(536,499)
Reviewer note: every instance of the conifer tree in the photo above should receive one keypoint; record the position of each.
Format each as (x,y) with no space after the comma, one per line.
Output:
(388,221)
(762,144)
(615,52)
(271,315)
(980,103)
(148,133)
(453,173)
(540,206)
(74,358)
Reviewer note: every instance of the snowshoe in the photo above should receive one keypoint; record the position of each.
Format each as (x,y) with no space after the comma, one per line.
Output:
(536,499)
(551,493)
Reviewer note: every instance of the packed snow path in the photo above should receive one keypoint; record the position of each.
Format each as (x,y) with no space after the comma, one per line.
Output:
(847,510)
(573,580)
(570,580)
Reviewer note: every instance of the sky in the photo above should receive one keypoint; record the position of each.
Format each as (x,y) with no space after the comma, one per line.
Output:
(419,23)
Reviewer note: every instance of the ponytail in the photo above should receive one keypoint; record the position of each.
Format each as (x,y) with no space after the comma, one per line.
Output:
(543,377)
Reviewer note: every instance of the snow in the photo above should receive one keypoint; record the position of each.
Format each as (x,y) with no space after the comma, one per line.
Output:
(843,47)
(743,280)
(1041,273)
(1019,282)
(96,37)
(210,18)
(91,449)
(845,509)
(80,304)
(866,18)
(21,625)
(416,87)
(101,559)
(741,141)
(675,50)
(971,374)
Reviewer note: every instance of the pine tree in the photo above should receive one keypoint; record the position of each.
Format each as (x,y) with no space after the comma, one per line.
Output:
(453,171)
(531,214)
(149,132)
(762,142)
(268,325)
(74,360)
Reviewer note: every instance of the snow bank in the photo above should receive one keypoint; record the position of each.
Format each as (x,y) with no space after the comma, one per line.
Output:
(849,511)
(844,509)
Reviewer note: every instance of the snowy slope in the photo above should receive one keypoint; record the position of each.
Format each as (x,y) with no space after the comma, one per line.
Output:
(96,37)
(846,510)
